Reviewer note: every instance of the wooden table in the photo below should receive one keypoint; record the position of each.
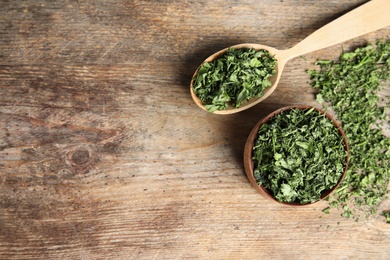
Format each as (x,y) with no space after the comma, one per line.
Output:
(104,155)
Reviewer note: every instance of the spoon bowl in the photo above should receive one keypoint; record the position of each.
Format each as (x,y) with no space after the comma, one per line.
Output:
(364,19)
(249,103)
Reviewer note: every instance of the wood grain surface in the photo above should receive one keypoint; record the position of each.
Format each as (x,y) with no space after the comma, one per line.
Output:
(104,155)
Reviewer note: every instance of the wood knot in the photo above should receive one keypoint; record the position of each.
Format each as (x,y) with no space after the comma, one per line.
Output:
(81,156)
(82,159)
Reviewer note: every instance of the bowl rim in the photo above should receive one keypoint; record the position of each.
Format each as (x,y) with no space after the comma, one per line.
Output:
(248,154)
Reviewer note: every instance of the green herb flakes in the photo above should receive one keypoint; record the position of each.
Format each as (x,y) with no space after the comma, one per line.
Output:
(236,76)
(326,210)
(386,214)
(350,86)
(298,154)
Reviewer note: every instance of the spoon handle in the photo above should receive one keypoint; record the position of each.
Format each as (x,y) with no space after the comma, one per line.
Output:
(366,18)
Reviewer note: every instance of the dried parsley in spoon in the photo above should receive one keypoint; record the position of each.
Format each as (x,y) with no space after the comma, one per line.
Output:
(236,76)
(351,88)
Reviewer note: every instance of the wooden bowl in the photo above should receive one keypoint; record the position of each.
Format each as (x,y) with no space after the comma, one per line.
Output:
(248,154)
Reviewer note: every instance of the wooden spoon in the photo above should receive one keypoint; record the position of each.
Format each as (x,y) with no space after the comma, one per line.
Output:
(368,17)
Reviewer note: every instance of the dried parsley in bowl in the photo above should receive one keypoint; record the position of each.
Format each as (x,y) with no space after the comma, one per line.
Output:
(299,155)
(236,76)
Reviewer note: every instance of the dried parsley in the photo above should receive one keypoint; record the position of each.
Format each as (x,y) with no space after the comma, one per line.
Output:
(386,214)
(298,154)
(236,76)
(350,86)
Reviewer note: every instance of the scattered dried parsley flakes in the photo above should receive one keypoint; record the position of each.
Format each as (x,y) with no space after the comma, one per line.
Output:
(351,86)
